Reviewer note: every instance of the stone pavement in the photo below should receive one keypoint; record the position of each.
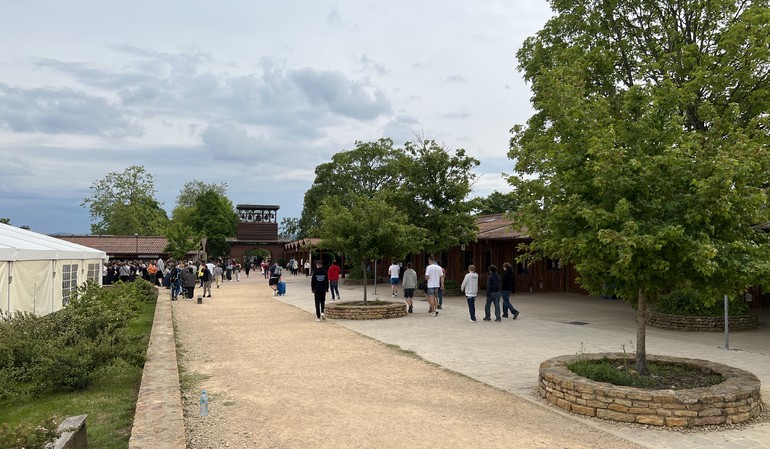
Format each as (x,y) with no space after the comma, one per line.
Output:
(507,355)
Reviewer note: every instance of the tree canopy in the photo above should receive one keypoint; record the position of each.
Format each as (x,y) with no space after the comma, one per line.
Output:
(215,218)
(124,204)
(423,181)
(645,163)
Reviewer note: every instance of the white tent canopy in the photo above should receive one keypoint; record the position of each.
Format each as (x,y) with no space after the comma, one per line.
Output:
(38,273)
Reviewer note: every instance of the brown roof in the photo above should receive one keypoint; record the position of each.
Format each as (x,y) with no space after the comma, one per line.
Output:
(497,226)
(120,244)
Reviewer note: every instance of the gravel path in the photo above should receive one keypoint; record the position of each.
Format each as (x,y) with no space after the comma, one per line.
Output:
(278,379)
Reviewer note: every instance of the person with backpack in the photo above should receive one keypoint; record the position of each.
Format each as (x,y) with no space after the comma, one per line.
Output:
(319,285)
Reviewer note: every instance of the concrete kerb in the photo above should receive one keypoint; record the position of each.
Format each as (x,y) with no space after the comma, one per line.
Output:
(159,419)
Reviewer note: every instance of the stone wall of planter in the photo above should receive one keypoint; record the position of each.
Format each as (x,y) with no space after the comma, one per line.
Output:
(735,400)
(701,323)
(352,311)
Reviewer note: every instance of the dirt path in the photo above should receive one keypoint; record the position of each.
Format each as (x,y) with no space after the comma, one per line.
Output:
(278,379)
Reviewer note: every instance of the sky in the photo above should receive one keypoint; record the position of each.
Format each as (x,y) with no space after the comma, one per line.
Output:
(251,93)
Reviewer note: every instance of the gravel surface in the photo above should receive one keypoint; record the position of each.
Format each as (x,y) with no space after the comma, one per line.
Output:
(278,379)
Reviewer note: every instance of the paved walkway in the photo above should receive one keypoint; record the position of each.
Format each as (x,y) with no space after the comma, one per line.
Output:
(507,355)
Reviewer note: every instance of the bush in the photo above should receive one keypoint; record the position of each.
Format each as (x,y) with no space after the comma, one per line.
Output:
(451,284)
(62,350)
(690,302)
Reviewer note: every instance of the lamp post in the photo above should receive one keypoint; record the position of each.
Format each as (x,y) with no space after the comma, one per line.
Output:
(136,237)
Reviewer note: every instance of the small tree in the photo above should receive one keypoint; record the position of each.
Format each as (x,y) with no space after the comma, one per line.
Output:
(215,217)
(367,229)
(181,240)
(646,163)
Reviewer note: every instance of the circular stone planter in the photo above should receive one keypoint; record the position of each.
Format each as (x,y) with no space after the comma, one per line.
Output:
(354,310)
(735,400)
(701,323)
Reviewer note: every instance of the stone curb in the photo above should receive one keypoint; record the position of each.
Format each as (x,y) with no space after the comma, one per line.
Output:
(159,421)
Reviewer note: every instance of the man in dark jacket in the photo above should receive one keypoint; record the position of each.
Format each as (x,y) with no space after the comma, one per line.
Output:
(493,294)
(508,287)
(319,284)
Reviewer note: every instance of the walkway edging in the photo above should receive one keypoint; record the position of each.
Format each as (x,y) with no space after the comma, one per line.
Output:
(158,419)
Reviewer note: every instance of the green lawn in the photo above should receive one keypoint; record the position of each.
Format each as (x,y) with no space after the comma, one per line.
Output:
(109,402)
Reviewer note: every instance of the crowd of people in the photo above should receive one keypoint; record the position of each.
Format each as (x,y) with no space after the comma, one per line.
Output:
(182,277)
(499,286)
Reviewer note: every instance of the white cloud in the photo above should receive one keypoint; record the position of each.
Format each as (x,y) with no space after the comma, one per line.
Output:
(255,94)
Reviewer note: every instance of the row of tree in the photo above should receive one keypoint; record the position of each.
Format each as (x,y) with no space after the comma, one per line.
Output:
(124,203)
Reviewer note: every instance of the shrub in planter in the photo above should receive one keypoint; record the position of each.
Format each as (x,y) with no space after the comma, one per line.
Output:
(690,302)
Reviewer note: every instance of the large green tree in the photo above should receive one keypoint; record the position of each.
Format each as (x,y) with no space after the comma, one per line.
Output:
(423,181)
(185,202)
(367,169)
(124,204)
(215,218)
(646,161)
(434,194)
(367,228)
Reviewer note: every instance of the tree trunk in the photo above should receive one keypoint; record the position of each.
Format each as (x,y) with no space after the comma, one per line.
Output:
(363,268)
(641,333)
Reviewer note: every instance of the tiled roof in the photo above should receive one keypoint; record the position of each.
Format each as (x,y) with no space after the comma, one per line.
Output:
(496,227)
(120,244)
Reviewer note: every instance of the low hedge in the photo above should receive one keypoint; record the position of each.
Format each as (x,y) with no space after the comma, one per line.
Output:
(61,351)
(690,302)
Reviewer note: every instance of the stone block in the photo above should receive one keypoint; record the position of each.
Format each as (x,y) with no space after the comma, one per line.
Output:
(615,416)
(708,420)
(738,418)
(618,408)
(651,420)
(677,422)
(582,410)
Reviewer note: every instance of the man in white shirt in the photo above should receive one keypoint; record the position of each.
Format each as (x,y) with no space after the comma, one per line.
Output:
(394,271)
(434,279)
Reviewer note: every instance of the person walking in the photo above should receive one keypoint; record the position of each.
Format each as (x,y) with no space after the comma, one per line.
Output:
(307,268)
(334,278)
(493,294)
(218,270)
(434,278)
(470,286)
(190,279)
(440,292)
(206,280)
(409,284)
(319,285)
(275,277)
(176,279)
(395,272)
(507,287)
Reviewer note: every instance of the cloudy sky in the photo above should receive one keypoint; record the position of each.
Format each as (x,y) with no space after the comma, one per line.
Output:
(252,93)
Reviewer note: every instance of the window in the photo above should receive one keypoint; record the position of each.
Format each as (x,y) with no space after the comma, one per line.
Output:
(94,273)
(552,264)
(522,268)
(69,282)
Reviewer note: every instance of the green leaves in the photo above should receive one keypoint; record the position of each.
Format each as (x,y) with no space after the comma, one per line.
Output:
(124,204)
(423,182)
(646,163)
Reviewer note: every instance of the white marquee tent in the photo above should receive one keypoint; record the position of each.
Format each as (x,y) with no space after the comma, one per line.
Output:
(39,273)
